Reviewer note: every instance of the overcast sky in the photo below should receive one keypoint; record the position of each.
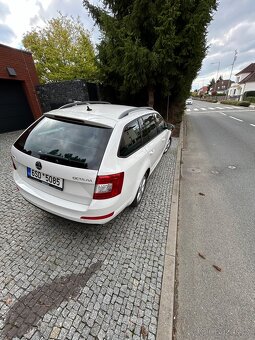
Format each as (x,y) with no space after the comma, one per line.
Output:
(233,28)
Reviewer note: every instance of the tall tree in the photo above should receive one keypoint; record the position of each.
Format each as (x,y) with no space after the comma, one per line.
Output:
(62,50)
(158,45)
(211,84)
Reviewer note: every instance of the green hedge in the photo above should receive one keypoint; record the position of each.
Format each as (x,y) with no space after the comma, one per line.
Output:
(249,94)
(250,99)
(211,100)
(236,103)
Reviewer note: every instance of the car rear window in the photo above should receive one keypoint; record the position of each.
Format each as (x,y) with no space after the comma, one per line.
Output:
(65,142)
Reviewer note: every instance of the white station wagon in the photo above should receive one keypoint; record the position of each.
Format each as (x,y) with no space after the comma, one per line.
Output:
(88,161)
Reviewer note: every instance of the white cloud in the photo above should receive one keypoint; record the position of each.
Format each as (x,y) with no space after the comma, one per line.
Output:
(18,18)
(21,16)
(232,29)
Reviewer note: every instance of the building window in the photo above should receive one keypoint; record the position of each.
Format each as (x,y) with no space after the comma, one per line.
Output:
(11,71)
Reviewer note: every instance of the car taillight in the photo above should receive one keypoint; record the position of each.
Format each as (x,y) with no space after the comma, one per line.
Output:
(108,186)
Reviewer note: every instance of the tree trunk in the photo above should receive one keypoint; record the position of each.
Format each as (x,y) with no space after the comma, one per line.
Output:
(151,96)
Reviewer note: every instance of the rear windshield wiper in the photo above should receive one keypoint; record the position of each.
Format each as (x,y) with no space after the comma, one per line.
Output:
(62,160)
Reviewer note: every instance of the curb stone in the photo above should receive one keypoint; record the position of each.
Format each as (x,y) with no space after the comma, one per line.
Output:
(166,307)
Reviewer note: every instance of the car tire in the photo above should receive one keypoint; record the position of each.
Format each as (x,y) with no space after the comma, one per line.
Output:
(140,191)
(168,145)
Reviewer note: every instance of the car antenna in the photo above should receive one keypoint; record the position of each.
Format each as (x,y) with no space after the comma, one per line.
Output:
(88,108)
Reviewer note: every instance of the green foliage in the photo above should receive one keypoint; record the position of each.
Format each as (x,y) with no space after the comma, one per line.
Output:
(244,103)
(62,50)
(211,100)
(250,99)
(158,45)
(211,84)
(236,103)
(249,94)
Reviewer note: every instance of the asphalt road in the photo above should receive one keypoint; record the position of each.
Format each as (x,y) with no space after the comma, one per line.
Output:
(216,237)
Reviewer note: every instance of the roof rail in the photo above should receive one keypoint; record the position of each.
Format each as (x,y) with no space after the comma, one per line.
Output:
(127,112)
(70,104)
(78,102)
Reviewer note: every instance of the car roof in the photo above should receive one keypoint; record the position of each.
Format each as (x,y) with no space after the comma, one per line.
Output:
(104,114)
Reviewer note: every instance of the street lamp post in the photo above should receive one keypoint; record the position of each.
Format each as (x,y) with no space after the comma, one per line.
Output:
(235,56)
(218,68)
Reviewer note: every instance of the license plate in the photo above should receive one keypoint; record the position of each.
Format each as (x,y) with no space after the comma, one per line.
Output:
(50,180)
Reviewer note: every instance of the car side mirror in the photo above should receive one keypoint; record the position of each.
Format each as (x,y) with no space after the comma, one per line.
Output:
(170,126)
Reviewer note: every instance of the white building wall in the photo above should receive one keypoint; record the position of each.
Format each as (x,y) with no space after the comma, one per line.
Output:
(249,87)
(235,89)
(241,77)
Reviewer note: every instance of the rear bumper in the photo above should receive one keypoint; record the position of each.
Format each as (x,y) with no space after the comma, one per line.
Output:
(98,212)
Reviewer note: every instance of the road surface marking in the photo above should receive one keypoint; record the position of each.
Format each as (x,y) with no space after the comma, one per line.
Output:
(211,108)
(252,125)
(188,110)
(202,108)
(195,109)
(222,113)
(218,107)
(229,108)
(236,118)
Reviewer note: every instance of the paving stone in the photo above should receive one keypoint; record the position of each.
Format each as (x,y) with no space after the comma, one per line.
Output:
(38,248)
(55,332)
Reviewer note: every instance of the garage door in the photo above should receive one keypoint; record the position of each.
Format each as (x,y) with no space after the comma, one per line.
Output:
(15,113)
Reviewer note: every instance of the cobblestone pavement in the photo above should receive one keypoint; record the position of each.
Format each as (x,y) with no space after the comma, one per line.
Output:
(64,280)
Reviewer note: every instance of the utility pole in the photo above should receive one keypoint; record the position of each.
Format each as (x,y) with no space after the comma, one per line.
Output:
(235,56)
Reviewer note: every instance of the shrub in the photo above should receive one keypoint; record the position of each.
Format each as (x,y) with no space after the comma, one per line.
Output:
(250,99)
(229,102)
(236,103)
(194,94)
(249,94)
(211,100)
(244,103)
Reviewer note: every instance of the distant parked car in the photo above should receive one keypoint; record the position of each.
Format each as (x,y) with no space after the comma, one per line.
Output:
(189,101)
(88,161)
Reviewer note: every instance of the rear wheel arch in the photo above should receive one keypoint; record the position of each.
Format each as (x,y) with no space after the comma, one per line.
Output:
(140,189)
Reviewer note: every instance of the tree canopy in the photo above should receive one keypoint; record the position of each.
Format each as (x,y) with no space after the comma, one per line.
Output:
(62,50)
(158,45)
(211,84)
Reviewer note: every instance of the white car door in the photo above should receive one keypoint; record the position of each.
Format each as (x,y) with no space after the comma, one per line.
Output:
(151,139)
(163,132)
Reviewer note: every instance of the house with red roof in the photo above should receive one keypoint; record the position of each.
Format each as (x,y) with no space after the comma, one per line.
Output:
(245,82)
(202,91)
(221,86)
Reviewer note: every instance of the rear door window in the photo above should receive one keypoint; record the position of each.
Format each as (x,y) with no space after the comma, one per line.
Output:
(161,124)
(149,128)
(65,142)
(131,139)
